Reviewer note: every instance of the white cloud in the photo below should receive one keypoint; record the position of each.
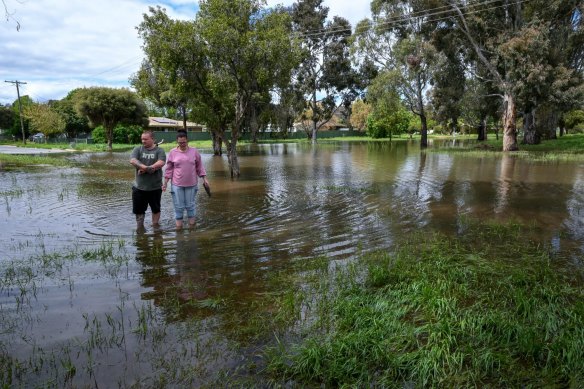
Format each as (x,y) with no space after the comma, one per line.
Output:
(66,44)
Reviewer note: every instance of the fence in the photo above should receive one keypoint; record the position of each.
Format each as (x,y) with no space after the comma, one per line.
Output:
(170,136)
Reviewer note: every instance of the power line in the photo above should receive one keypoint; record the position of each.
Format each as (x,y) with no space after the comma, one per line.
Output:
(428,13)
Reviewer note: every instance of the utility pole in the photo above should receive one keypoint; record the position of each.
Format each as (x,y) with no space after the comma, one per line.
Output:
(17,83)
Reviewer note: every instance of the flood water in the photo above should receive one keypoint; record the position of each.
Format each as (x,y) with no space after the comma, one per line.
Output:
(293,202)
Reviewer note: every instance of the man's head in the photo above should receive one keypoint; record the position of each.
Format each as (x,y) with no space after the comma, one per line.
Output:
(147,139)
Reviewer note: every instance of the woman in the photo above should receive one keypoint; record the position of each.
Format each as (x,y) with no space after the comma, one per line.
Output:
(183,167)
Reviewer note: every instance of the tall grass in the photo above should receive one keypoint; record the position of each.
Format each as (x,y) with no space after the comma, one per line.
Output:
(467,311)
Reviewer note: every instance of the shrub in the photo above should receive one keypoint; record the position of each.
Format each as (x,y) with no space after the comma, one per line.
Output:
(122,134)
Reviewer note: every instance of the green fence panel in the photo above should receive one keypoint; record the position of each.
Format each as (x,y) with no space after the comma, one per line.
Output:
(170,136)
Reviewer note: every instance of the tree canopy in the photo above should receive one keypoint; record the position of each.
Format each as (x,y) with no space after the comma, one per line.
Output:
(109,106)
(224,64)
(44,119)
(325,76)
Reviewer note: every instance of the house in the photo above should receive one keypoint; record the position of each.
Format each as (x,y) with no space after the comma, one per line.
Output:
(338,122)
(166,124)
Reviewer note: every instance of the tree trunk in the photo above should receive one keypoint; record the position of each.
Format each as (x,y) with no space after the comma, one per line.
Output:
(232,145)
(548,123)
(496,125)
(482,129)
(253,124)
(509,123)
(530,133)
(232,156)
(314,130)
(454,124)
(314,117)
(424,130)
(183,111)
(217,143)
(424,138)
(109,133)
(561,130)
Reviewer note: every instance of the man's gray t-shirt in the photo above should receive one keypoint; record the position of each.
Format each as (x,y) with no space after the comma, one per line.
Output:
(148,181)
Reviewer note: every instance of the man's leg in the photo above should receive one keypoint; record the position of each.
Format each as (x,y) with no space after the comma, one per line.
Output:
(139,205)
(154,201)
(140,221)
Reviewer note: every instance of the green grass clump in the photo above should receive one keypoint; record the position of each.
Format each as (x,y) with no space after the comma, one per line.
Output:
(476,310)
(565,148)
(10,160)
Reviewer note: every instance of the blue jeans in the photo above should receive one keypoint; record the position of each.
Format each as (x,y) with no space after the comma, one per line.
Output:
(183,197)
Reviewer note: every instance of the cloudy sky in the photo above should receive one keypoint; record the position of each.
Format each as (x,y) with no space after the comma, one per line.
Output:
(66,44)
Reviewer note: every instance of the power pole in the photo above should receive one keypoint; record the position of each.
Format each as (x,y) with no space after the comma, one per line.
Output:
(17,83)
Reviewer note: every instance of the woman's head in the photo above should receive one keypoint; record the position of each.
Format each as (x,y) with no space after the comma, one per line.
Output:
(182,139)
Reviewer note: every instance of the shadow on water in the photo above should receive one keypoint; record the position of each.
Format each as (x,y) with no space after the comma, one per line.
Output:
(94,279)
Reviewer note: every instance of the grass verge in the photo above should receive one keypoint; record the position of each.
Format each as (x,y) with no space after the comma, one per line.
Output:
(467,311)
(566,148)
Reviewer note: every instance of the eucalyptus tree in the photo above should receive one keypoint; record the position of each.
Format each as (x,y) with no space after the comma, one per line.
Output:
(449,77)
(289,106)
(250,51)
(221,62)
(152,83)
(325,77)
(526,48)
(396,40)
(177,72)
(108,107)
(479,106)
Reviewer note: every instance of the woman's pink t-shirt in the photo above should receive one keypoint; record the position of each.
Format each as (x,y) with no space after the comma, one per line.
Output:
(183,168)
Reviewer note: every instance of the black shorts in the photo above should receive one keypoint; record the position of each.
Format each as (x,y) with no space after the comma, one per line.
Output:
(141,199)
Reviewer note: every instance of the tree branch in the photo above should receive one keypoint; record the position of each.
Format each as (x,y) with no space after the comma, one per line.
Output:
(9,16)
(476,47)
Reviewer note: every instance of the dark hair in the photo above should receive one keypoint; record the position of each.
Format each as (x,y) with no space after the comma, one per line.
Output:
(181,134)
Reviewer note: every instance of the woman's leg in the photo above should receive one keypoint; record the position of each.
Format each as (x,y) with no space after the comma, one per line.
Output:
(190,194)
(178,200)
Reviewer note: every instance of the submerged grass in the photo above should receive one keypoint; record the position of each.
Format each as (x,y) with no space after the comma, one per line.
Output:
(473,310)
(9,160)
(566,148)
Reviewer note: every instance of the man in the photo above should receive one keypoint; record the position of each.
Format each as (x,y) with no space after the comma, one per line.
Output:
(148,160)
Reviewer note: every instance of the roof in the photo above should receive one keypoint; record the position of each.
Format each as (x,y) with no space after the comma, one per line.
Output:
(160,122)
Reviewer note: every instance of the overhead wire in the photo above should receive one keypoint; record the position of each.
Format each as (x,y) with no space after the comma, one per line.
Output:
(428,13)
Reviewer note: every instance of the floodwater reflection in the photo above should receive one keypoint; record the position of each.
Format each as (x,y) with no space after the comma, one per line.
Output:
(293,202)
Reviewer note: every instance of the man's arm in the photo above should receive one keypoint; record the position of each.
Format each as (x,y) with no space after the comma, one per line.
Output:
(158,165)
(138,165)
